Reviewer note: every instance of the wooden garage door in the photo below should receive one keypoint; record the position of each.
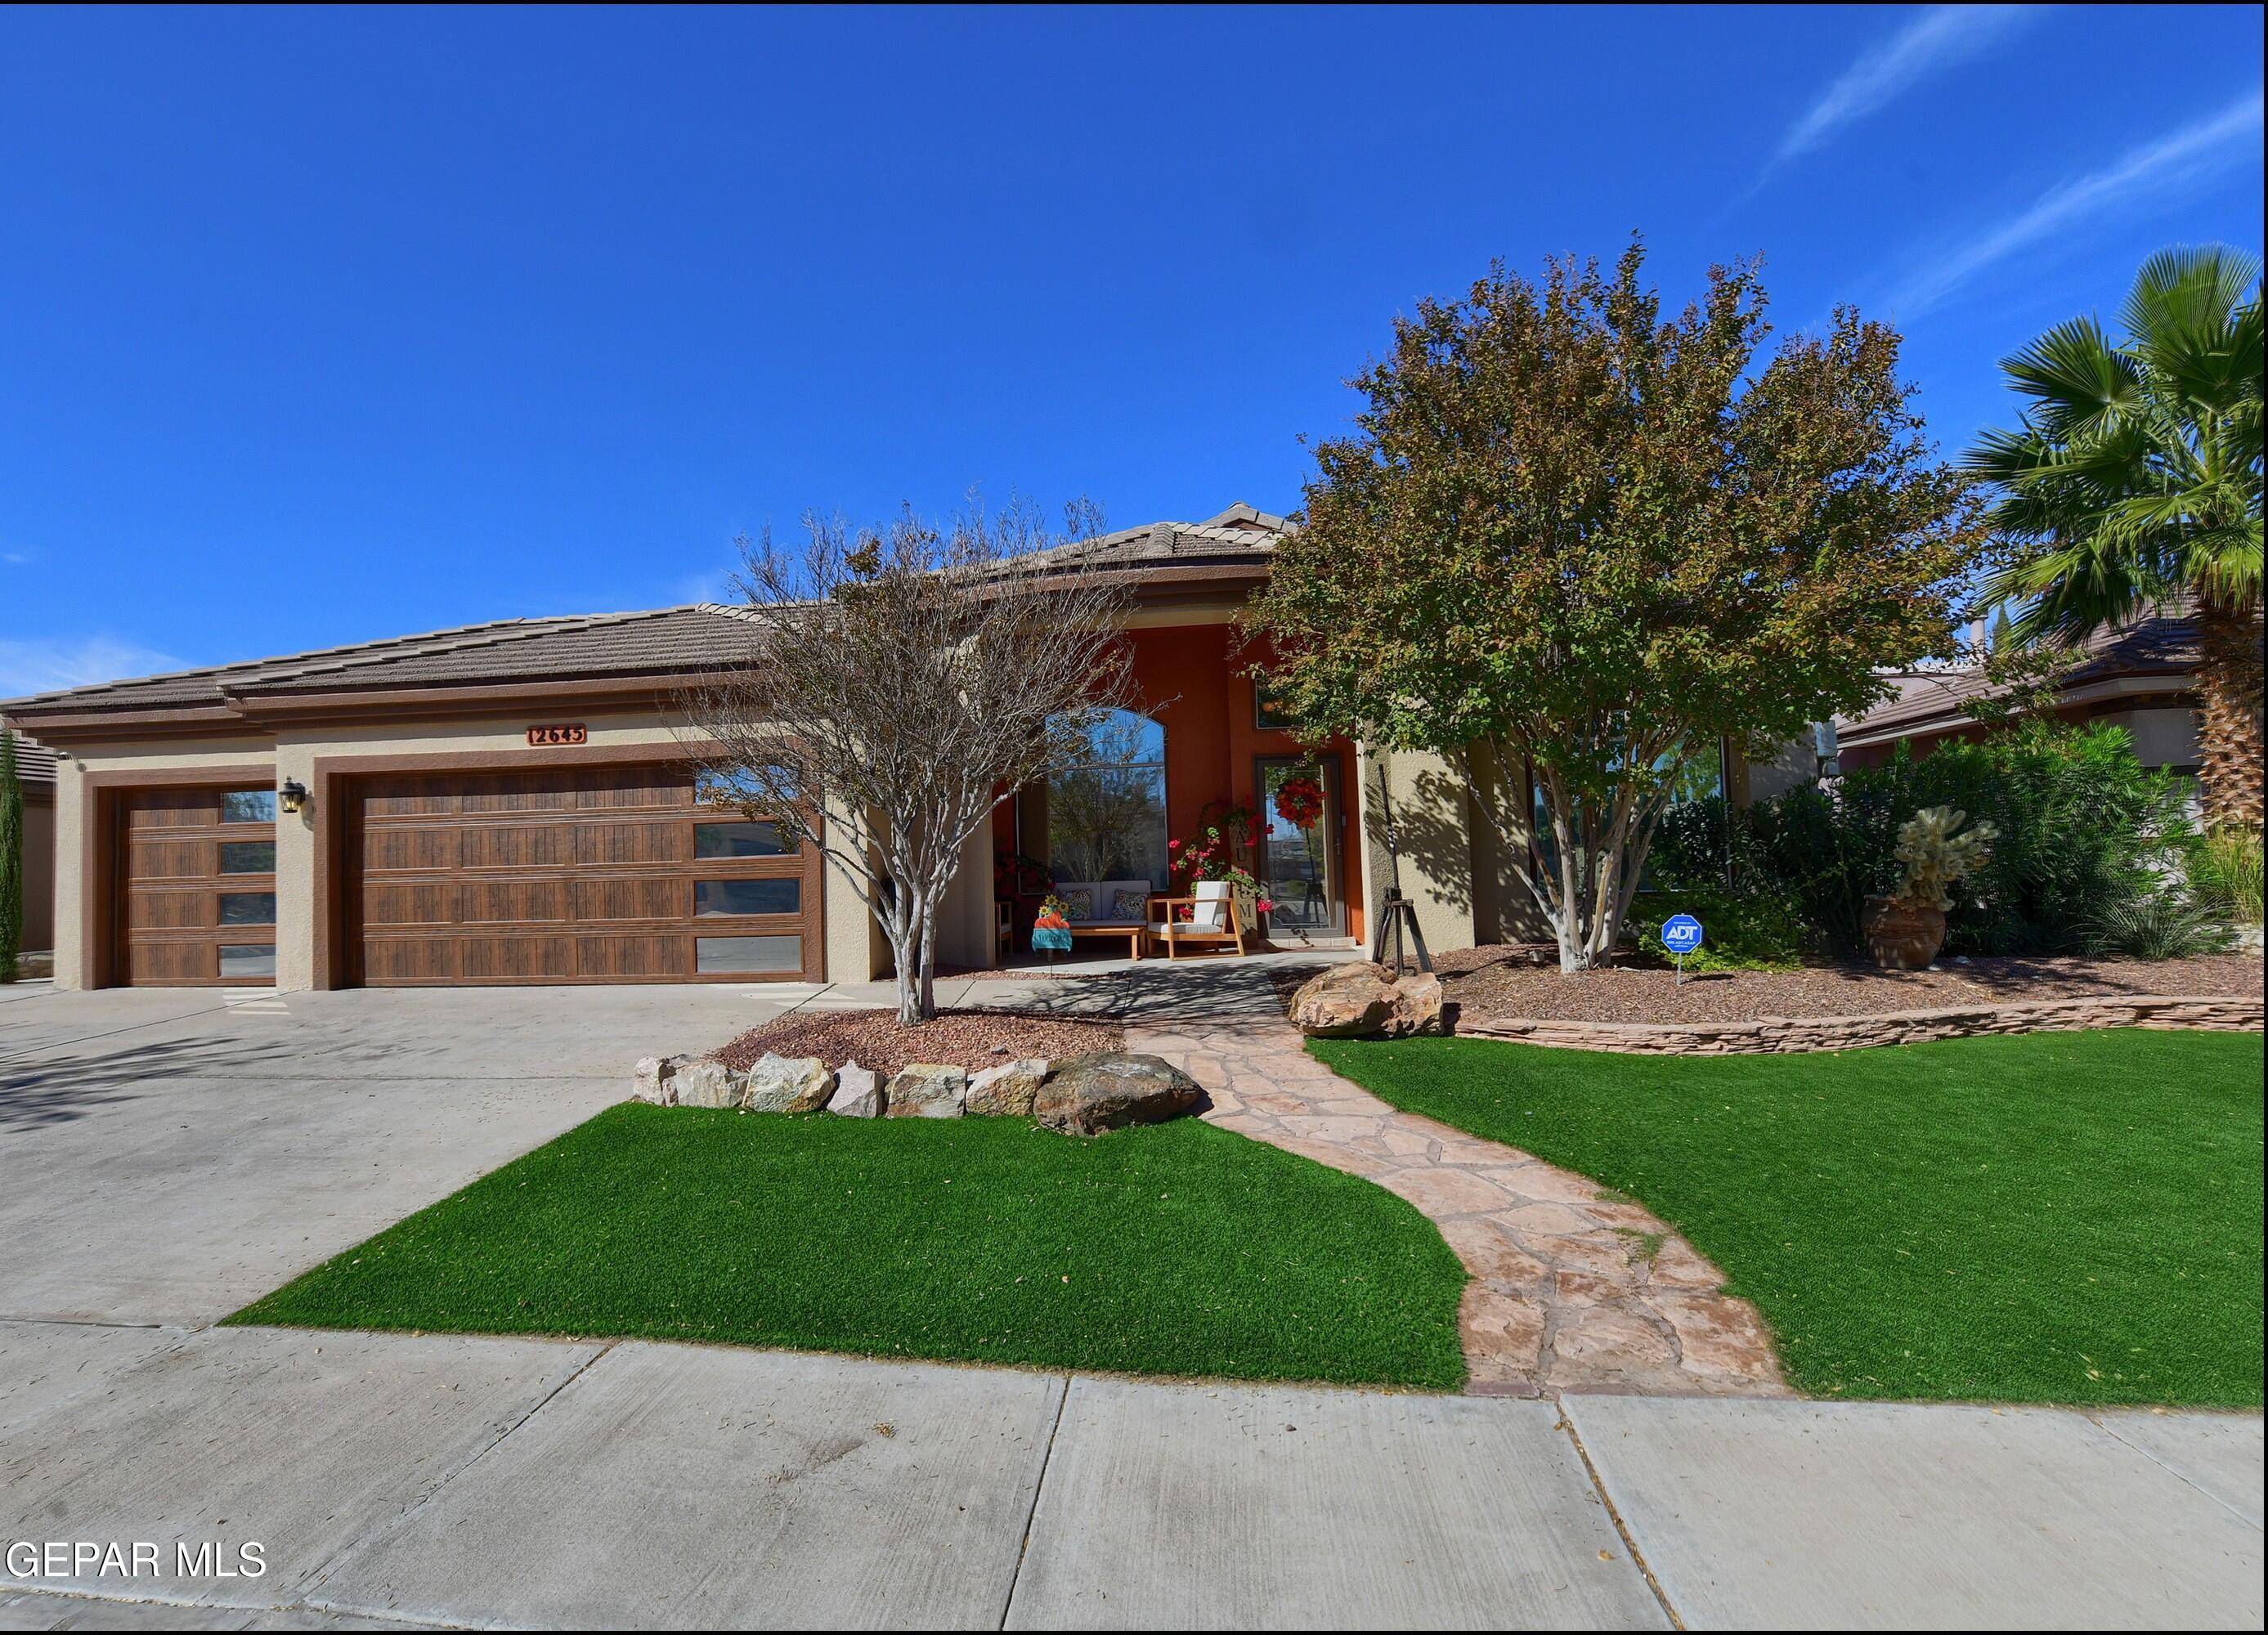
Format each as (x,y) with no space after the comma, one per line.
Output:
(197,897)
(595,874)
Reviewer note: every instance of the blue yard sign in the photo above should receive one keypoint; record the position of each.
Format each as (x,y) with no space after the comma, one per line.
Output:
(1680,934)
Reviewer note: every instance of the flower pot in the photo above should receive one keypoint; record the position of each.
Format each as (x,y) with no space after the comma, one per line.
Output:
(1902,936)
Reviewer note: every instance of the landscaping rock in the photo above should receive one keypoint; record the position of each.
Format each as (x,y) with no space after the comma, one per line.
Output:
(857,1093)
(1008,1090)
(1363,1000)
(781,1083)
(650,1078)
(927,1090)
(1108,1090)
(705,1084)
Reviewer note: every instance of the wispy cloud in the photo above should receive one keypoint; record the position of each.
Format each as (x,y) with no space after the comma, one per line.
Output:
(2154,169)
(1940,38)
(45,666)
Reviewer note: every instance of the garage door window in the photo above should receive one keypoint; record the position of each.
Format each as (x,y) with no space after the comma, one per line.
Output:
(248,959)
(248,857)
(740,840)
(248,806)
(247,908)
(747,896)
(752,956)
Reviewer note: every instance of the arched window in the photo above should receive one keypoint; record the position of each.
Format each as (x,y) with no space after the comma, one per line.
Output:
(1107,815)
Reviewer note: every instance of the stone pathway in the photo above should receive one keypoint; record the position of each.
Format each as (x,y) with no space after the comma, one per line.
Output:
(1572,1290)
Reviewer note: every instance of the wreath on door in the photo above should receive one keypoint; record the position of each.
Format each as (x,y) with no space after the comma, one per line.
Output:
(1299,802)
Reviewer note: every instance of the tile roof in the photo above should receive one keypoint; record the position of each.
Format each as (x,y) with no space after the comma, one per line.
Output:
(35,763)
(2158,645)
(663,641)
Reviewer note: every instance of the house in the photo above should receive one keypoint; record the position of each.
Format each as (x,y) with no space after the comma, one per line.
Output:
(2141,676)
(510,803)
(35,774)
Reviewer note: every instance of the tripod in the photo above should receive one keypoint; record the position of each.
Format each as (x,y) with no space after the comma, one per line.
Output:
(1397,915)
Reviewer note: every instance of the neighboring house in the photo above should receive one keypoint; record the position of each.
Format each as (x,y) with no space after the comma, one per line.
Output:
(2142,677)
(509,803)
(35,771)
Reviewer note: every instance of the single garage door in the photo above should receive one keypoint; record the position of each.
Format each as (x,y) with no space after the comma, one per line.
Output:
(598,875)
(196,899)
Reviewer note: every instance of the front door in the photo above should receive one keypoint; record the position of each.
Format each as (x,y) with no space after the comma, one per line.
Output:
(1299,847)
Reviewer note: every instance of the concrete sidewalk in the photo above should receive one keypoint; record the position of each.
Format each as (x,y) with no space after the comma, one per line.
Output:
(433,1480)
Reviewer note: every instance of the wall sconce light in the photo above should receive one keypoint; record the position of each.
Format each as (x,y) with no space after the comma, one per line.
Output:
(293,796)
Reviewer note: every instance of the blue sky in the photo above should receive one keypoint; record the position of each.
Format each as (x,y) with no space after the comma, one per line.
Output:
(318,326)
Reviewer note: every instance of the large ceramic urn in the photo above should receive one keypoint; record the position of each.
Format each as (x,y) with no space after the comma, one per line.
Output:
(1902,936)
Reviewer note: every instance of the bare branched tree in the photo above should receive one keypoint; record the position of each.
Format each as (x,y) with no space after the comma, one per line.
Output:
(898,684)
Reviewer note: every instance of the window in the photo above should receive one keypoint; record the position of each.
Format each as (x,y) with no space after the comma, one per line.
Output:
(731,788)
(1264,713)
(753,956)
(247,958)
(247,908)
(1107,812)
(740,840)
(248,806)
(747,896)
(248,857)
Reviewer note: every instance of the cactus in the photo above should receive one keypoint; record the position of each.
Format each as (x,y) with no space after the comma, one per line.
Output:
(1939,854)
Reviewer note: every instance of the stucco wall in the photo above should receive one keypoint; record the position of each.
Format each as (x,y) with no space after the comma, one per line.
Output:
(1432,829)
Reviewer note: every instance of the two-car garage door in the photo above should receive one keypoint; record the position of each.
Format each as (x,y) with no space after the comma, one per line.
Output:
(592,874)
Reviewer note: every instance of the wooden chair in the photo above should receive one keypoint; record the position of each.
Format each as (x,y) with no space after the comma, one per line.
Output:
(1217,916)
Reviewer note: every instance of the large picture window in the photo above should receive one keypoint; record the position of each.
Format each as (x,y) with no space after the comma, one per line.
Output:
(1107,815)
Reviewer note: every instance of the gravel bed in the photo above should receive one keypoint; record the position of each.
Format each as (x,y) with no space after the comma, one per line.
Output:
(1524,981)
(970,1039)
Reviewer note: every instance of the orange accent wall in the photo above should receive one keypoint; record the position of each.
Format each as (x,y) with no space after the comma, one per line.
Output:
(1187,677)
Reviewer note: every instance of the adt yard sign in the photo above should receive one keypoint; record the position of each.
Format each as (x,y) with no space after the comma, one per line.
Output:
(1680,933)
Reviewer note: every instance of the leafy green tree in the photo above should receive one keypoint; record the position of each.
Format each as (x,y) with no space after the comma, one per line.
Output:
(11,858)
(2134,481)
(1599,539)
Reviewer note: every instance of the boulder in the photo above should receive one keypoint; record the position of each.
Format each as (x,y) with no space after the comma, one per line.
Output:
(781,1083)
(1362,1000)
(1008,1090)
(857,1093)
(927,1090)
(1102,1090)
(650,1078)
(706,1084)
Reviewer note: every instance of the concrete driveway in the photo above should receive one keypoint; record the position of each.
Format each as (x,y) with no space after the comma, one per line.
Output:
(167,1155)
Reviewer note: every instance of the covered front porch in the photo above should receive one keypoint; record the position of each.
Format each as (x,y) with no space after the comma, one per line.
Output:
(1200,793)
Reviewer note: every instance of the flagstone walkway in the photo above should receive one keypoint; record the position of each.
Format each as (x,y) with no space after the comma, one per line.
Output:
(1572,1290)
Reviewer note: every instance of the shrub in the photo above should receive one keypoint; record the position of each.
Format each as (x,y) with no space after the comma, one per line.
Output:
(2083,833)
(2225,874)
(2161,927)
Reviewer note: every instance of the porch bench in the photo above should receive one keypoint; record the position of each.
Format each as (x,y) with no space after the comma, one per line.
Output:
(1133,933)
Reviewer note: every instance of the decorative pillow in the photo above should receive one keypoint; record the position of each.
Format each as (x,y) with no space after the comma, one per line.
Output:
(1128,905)
(1078,902)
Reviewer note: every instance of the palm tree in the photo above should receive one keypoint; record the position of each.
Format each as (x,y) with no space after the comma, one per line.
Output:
(2134,482)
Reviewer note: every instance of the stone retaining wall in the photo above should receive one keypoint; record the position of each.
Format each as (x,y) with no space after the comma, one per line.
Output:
(1770,1034)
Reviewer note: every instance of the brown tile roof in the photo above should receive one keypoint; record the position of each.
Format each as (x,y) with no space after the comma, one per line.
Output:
(2161,645)
(662,642)
(35,763)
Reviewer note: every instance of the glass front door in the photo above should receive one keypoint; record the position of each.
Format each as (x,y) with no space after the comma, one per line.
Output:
(1299,848)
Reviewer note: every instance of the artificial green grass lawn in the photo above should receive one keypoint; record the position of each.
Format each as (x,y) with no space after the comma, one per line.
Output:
(2054,1217)
(1179,1249)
